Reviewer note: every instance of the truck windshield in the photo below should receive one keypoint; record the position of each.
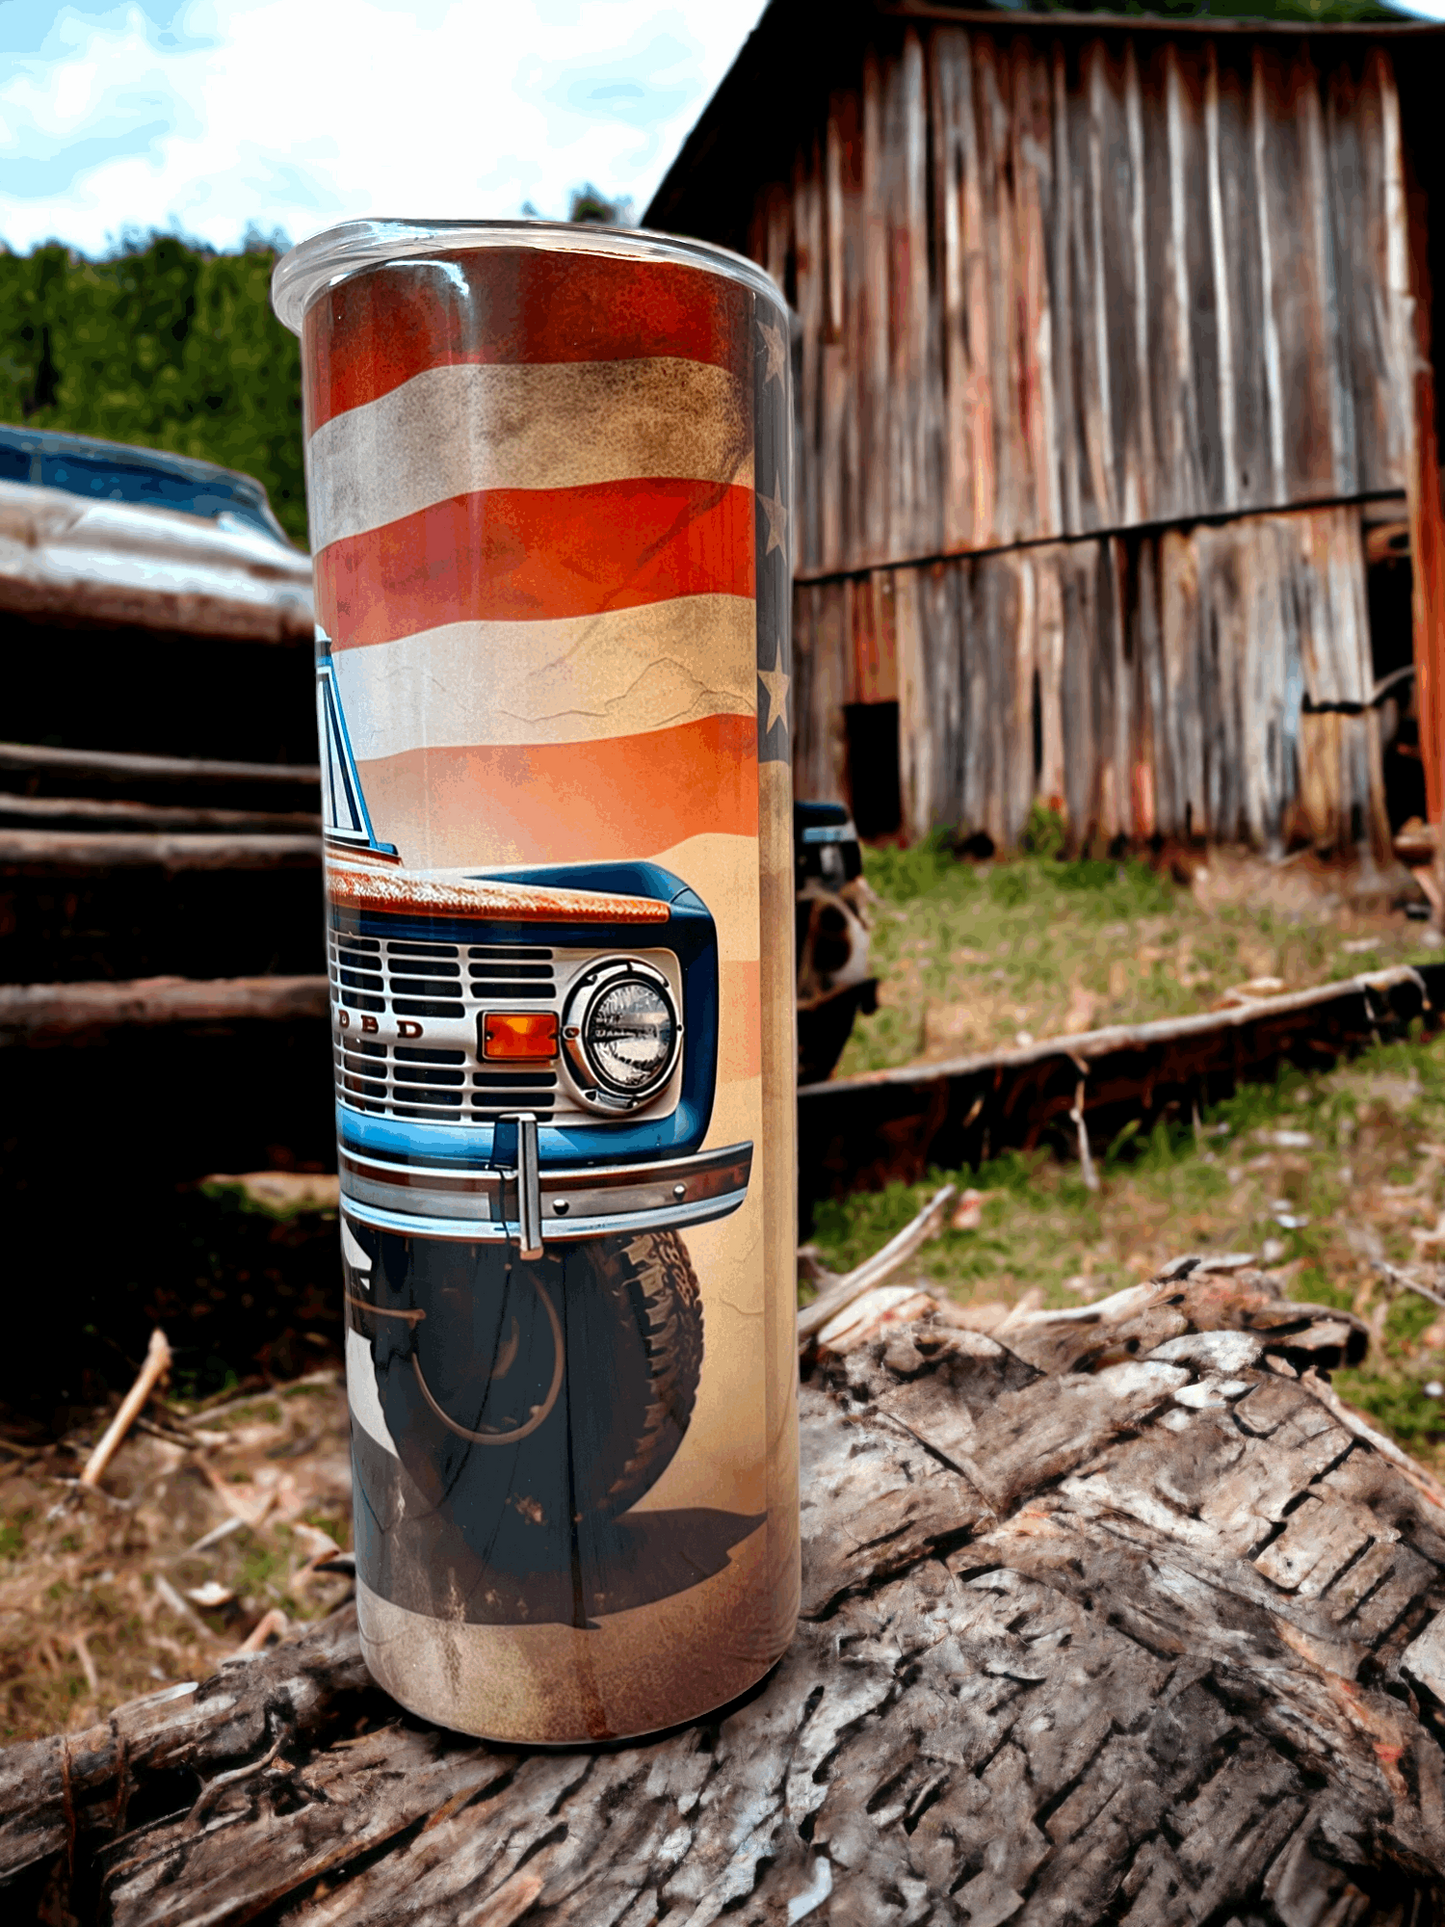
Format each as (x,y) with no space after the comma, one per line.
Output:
(115,472)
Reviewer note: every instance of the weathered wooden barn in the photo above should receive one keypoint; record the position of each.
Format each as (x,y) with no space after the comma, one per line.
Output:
(1119,482)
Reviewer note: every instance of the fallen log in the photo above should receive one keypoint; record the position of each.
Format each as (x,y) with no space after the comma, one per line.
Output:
(882,1125)
(1224,1294)
(87,812)
(114,769)
(65,1013)
(78,853)
(1086,1045)
(1115,1622)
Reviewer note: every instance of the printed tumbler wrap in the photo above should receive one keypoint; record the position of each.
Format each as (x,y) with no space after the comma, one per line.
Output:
(549,489)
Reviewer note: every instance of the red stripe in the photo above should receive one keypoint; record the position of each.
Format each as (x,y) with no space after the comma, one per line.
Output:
(518,555)
(627,796)
(376,330)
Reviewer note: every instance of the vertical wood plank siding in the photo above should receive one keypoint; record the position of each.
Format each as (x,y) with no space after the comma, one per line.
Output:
(1061,298)
(1160,681)
(1054,289)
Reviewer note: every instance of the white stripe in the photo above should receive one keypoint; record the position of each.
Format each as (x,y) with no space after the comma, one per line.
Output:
(452,431)
(576,679)
(361,1392)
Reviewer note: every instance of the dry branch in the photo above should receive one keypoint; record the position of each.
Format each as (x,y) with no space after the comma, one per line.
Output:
(837,1297)
(87,1663)
(1086,1161)
(222,1404)
(1399,1277)
(271,1625)
(182,1608)
(1121,1622)
(157,1364)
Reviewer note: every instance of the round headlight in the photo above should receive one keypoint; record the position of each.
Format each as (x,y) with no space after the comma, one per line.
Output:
(621,1034)
(629,1035)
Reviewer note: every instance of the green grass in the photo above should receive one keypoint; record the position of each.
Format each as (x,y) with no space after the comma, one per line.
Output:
(265,1568)
(238,1194)
(1374,1125)
(971,956)
(334,1526)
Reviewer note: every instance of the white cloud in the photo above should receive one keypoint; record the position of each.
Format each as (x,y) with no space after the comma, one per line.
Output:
(299,113)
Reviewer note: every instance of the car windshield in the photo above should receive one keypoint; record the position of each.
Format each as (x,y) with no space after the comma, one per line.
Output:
(114,472)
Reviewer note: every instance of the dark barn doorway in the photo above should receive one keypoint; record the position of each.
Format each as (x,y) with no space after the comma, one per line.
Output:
(872,736)
(1392,648)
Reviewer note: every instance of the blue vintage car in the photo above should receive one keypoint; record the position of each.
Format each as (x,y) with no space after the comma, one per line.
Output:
(99,532)
(525,1056)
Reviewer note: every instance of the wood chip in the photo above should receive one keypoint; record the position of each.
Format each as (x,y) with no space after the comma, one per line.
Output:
(87,1664)
(271,1625)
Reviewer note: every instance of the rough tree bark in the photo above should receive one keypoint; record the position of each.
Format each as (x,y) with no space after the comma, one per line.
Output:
(46,1013)
(1124,1621)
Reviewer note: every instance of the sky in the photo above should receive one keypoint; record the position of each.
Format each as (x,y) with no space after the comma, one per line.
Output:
(212,117)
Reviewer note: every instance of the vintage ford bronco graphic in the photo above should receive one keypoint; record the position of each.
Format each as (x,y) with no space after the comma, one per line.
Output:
(525,1069)
(527,1057)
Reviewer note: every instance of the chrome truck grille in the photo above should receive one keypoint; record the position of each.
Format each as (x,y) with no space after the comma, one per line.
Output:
(409,1045)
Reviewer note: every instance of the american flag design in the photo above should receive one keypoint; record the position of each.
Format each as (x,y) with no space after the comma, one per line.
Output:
(550,495)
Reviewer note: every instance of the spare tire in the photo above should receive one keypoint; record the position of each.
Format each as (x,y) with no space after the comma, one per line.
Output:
(528,1399)
(654,1290)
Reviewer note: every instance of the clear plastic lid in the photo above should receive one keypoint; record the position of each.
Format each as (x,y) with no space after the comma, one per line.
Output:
(326,259)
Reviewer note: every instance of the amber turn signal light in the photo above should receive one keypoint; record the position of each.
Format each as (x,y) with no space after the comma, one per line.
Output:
(520,1035)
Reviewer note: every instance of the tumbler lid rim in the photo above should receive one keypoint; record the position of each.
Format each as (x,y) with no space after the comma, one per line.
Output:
(315,266)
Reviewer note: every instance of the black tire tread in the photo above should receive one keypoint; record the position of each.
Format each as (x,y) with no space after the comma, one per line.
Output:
(653,1274)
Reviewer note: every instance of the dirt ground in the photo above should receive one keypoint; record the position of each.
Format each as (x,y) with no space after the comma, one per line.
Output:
(208,1529)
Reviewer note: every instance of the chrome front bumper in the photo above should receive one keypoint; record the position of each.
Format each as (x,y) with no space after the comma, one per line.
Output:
(532,1208)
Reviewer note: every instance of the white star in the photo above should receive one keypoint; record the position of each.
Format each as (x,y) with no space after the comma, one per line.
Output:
(777,516)
(775,351)
(777,683)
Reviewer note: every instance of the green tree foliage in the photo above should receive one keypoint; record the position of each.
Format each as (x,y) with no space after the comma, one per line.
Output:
(170,345)
(593,208)
(163,344)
